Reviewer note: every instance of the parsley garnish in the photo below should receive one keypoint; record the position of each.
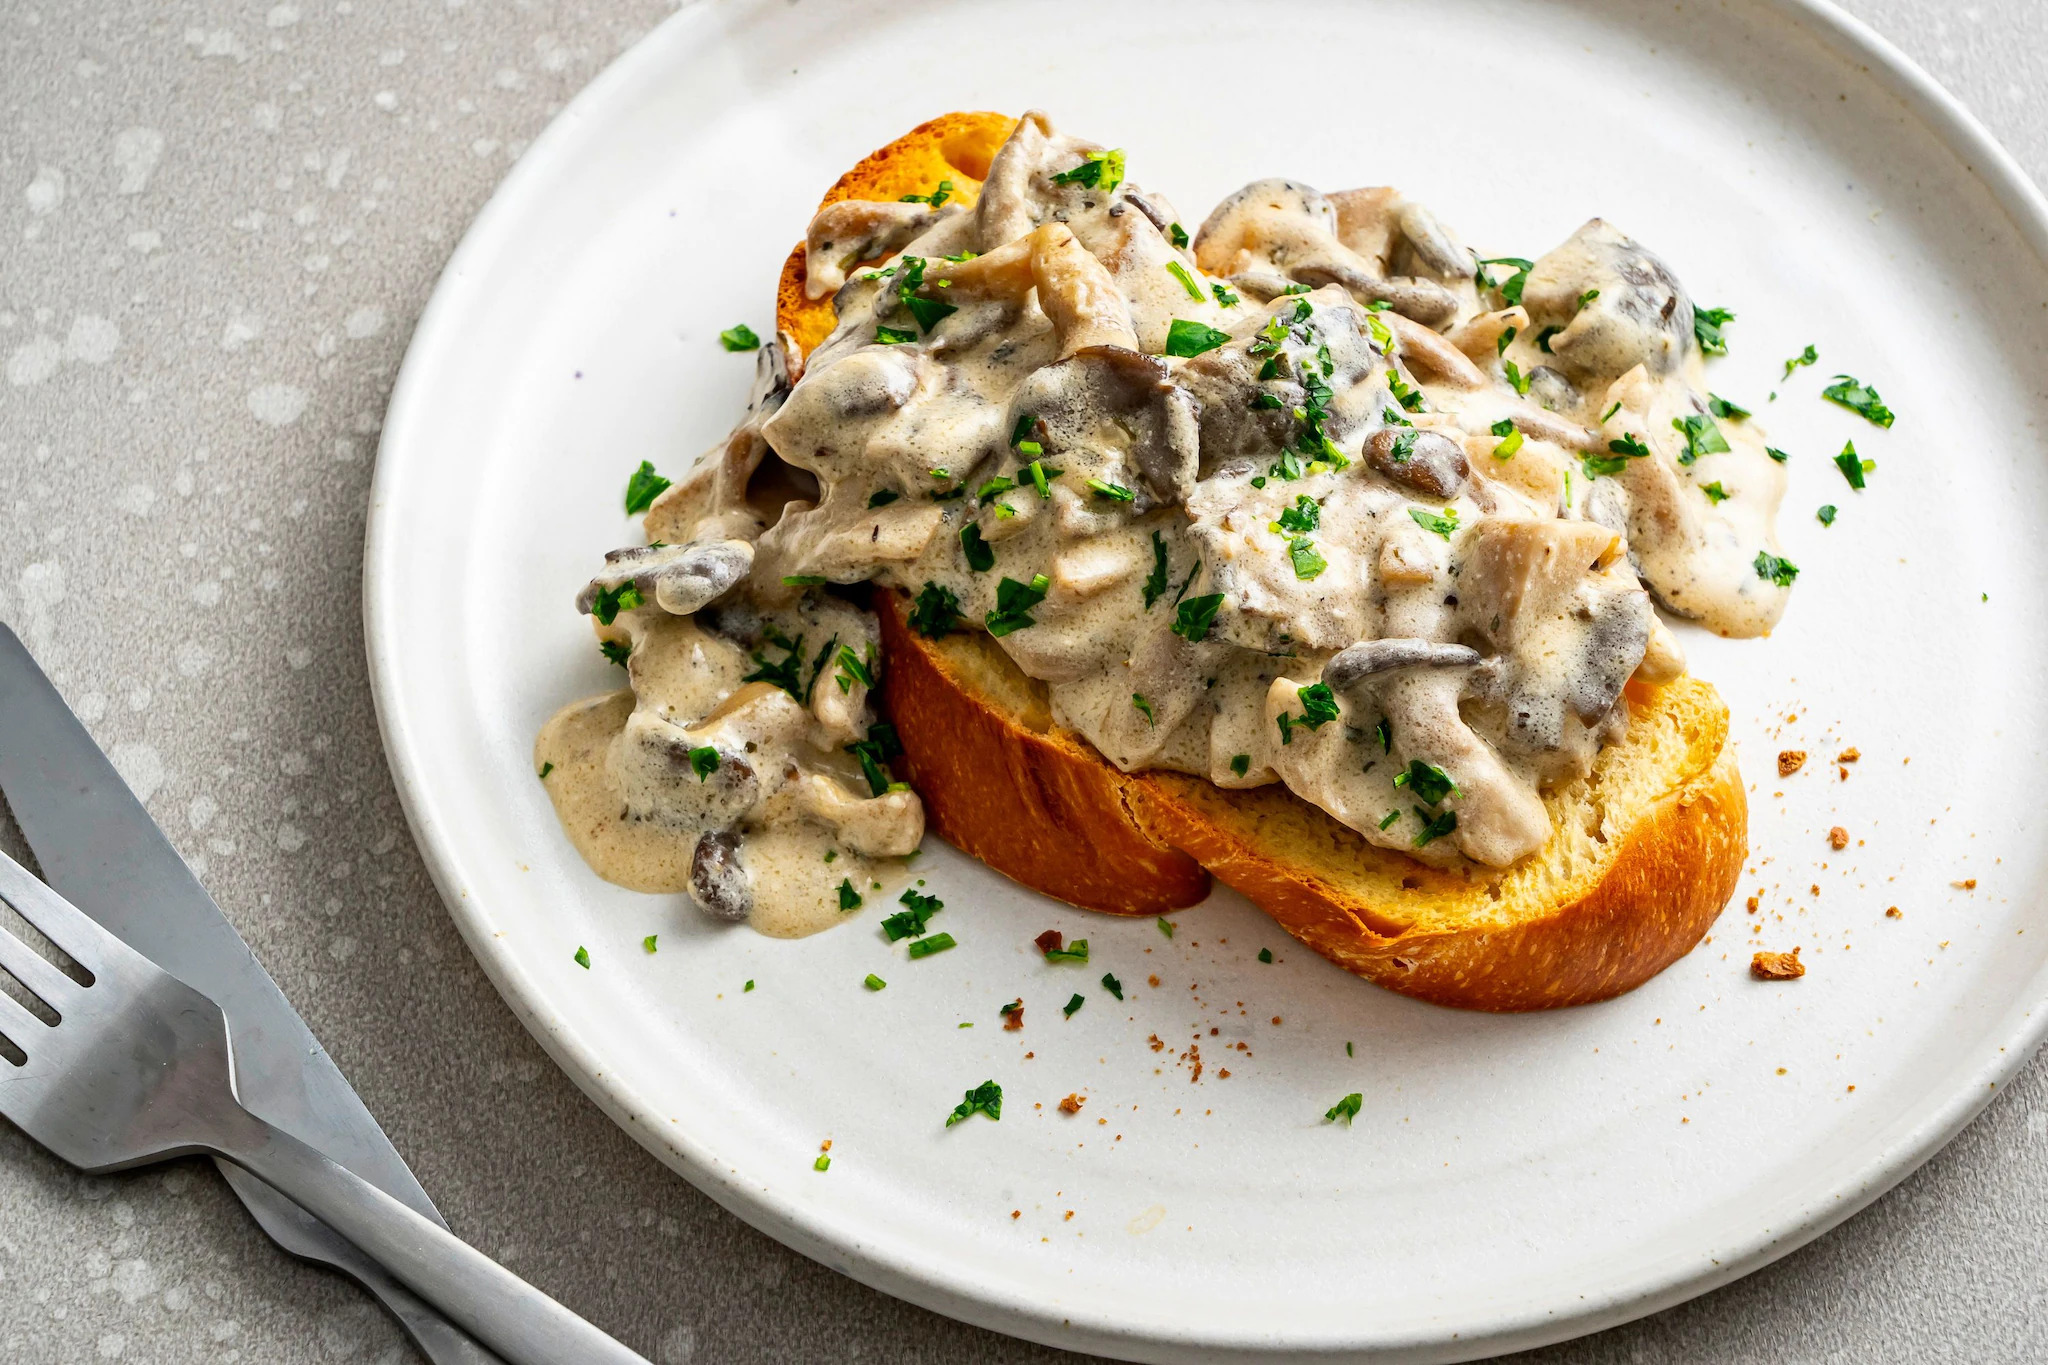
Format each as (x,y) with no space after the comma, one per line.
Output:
(1265,955)
(1072,1005)
(1077,951)
(894,336)
(1187,281)
(1778,571)
(1384,733)
(1040,474)
(1176,234)
(1510,288)
(739,337)
(1115,492)
(980,557)
(1629,446)
(1014,602)
(615,651)
(648,942)
(1715,493)
(937,943)
(1165,925)
(1612,408)
(1435,827)
(1307,560)
(1702,437)
(1406,394)
(1112,985)
(1776,454)
(1826,515)
(1193,618)
(1303,517)
(935,198)
(1502,342)
(1706,329)
(1240,764)
(546,768)
(802,580)
(1586,298)
(882,497)
(853,669)
(609,602)
(1853,466)
(1721,407)
(583,957)
(849,899)
(1144,706)
(749,986)
(643,488)
(1805,357)
(704,762)
(1511,439)
(1318,705)
(1155,582)
(785,674)
(1021,433)
(1429,782)
(1543,339)
(1186,338)
(1225,295)
(1345,1109)
(1429,521)
(936,611)
(1517,381)
(1392,816)
(1858,397)
(986,1098)
(1101,171)
(911,922)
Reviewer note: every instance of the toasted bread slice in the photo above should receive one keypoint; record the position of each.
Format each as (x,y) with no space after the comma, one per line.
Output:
(1646,849)
(955,147)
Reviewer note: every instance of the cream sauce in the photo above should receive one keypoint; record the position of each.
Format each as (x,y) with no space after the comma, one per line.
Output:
(1311,498)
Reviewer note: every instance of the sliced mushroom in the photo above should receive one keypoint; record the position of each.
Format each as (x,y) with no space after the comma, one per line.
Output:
(1616,305)
(1369,657)
(1430,354)
(844,234)
(1425,461)
(1111,398)
(718,880)
(680,579)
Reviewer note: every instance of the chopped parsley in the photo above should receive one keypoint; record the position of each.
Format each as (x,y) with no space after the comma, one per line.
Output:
(802,580)
(1858,397)
(1021,433)
(1187,281)
(1165,925)
(823,1163)
(1265,954)
(1702,437)
(1384,733)
(546,768)
(849,899)
(1435,827)
(894,336)
(928,312)
(1303,517)
(648,943)
(1429,521)
(609,602)
(1410,397)
(1184,338)
(986,1098)
(1510,288)
(1826,515)
(1392,816)
(1011,1011)
(1014,602)
(1779,571)
(749,986)
(1853,466)
(935,198)
(1612,408)
(1225,295)
(1706,329)
(1805,357)
(1073,1005)
(936,611)
(882,497)
(785,673)
(1112,985)
(1240,764)
(1176,234)
(1193,618)
(703,762)
(910,921)
(1040,474)
(1504,340)
(1776,454)
(643,488)
(1517,381)
(1307,560)
(739,337)
(617,652)
(1511,438)
(853,669)
(1715,493)
(1429,782)
(980,557)
(1721,407)
(1585,299)
(1115,492)
(1625,448)
(1318,705)
(1543,339)
(1077,951)
(937,943)
(1144,707)
(1155,582)
(1345,1109)
(1101,171)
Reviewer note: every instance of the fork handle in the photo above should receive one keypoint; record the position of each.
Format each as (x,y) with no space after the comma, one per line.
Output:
(522,1324)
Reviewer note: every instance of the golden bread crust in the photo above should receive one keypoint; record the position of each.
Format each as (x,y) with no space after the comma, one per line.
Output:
(956,147)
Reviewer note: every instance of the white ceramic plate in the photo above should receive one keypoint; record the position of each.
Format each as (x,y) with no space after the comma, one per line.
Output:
(1510,1180)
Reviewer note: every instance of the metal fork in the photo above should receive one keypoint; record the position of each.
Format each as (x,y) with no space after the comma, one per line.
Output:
(137,1069)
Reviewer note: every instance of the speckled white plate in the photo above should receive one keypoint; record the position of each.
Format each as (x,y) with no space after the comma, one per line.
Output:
(1511,1180)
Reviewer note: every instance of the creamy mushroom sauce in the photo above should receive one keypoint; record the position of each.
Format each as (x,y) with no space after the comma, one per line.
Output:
(1309,496)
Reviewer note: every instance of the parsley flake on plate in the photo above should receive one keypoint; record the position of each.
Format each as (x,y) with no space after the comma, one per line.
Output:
(643,488)
(1860,398)
(1345,1109)
(739,337)
(986,1098)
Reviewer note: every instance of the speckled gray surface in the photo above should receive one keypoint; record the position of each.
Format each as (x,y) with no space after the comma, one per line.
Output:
(218,224)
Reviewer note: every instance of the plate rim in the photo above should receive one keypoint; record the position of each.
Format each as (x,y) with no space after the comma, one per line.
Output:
(1959,131)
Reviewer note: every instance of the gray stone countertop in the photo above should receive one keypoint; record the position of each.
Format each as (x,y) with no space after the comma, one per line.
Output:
(218,224)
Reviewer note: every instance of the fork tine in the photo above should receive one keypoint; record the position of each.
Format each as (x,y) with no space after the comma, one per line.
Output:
(22,1028)
(63,923)
(36,972)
